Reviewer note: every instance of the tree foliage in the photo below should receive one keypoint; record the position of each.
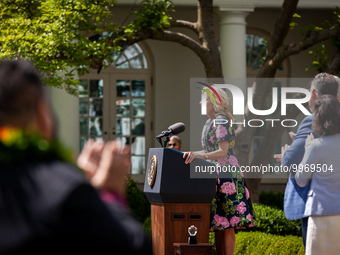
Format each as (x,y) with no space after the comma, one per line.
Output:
(53,34)
(65,37)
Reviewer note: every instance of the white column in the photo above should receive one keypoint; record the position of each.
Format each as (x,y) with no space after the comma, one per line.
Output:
(66,108)
(233,43)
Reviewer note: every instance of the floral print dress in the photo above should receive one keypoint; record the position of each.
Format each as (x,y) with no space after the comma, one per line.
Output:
(231,206)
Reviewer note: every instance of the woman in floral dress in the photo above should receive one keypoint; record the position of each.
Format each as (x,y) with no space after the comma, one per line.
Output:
(231,206)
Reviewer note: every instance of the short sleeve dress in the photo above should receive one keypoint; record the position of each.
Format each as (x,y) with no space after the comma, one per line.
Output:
(231,206)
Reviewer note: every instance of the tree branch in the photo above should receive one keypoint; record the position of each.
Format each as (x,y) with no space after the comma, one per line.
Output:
(295,48)
(334,66)
(281,27)
(183,40)
(186,24)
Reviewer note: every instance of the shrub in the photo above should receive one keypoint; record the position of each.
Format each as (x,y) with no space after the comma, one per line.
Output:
(137,201)
(271,198)
(147,226)
(262,243)
(273,221)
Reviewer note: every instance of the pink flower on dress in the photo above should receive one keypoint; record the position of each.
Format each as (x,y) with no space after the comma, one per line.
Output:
(211,139)
(218,180)
(217,219)
(228,188)
(251,225)
(247,193)
(233,160)
(225,222)
(222,161)
(221,221)
(234,220)
(221,131)
(249,217)
(241,208)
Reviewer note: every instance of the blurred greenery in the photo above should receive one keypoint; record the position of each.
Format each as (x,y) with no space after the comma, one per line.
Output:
(138,202)
(65,37)
(271,198)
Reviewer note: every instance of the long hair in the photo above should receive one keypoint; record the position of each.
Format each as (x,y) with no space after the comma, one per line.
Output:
(327,115)
(225,108)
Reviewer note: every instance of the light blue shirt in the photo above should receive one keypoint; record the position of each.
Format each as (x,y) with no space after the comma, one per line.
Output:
(322,155)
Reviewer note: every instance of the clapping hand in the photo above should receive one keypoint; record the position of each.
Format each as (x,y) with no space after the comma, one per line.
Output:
(309,138)
(278,157)
(106,165)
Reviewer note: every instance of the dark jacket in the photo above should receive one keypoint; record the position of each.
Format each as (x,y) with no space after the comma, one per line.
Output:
(49,208)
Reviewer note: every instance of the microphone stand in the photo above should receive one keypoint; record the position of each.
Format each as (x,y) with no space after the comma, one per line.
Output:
(167,139)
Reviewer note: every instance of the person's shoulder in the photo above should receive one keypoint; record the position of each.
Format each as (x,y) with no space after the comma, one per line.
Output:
(308,119)
(327,140)
(58,174)
(305,125)
(221,117)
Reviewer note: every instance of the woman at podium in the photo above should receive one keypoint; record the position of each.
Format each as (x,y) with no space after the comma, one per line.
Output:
(231,207)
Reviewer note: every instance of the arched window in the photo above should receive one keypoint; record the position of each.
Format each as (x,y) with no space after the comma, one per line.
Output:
(132,57)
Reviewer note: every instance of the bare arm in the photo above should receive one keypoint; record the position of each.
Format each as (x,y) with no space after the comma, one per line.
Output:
(220,153)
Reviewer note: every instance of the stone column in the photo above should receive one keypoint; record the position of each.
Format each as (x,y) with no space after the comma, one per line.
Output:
(233,44)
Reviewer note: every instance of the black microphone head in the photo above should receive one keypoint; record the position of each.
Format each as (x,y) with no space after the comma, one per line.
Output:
(177,128)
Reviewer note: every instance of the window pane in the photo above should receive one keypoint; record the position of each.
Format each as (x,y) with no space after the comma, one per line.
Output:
(138,107)
(138,146)
(96,88)
(116,56)
(123,88)
(131,51)
(82,142)
(124,140)
(83,106)
(138,62)
(120,60)
(123,126)
(83,124)
(96,107)
(125,65)
(138,88)
(99,139)
(138,165)
(82,88)
(96,126)
(137,126)
(123,108)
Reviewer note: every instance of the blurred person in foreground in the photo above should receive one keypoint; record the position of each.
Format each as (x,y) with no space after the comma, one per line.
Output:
(295,196)
(231,207)
(320,168)
(47,206)
(175,143)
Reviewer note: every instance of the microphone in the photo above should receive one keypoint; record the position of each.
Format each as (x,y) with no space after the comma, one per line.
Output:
(174,129)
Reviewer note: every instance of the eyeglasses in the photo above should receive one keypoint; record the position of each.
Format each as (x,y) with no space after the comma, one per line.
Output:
(172,144)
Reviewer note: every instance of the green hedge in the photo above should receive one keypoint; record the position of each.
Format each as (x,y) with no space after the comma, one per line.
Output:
(271,198)
(147,226)
(137,201)
(262,243)
(273,221)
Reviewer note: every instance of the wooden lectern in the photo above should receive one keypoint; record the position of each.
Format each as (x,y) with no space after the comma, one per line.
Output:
(177,201)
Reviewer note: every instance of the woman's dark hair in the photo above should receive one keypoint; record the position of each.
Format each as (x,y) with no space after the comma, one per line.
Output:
(327,115)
